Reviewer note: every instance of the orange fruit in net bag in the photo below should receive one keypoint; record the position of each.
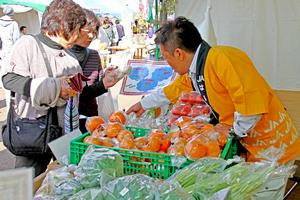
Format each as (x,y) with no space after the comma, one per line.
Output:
(98,132)
(157,134)
(118,117)
(206,129)
(213,148)
(195,150)
(183,121)
(178,148)
(165,144)
(140,142)
(127,144)
(92,140)
(107,142)
(113,129)
(189,131)
(153,145)
(173,135)
(93,122)
(125,134)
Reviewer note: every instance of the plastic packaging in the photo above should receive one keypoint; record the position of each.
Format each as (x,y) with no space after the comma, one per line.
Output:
(58,184)
(170,191)
(187,176)
(95,161)
(88,194)
(137,187)
(243,180)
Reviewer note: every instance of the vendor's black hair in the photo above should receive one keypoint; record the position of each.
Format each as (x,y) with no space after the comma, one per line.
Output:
(178,33)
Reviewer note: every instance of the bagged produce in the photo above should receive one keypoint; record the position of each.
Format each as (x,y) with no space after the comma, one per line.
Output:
(88,194)
(242,179)
(59,184)
(95,161)
(133,187)
(170,191)
(187,176)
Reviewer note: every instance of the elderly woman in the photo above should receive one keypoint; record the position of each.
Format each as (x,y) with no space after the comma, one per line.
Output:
(91,67)
(60,27)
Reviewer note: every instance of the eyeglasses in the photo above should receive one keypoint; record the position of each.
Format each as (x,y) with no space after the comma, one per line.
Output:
(90,30)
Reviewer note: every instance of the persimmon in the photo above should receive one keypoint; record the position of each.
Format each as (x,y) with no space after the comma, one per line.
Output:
(173,135)
(153,145)
(127,144)
(92,140)
(206,129)
(178,148)
(93,122)
(118,117)
(183,121)
(98,132)
(195,150)
(156,133)
(165,144)
(113,129)
(125,134)
(223,130)
(222,139)
(213,148)
(140,142)
(106,142)
(189,131)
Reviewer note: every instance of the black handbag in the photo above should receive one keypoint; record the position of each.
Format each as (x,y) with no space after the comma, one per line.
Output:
(30,137)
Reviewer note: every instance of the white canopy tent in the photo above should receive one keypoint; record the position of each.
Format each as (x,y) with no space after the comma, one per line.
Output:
(267,30)
(28,12)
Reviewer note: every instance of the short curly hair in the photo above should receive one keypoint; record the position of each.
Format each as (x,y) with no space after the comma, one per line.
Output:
(91,19)
(63,16)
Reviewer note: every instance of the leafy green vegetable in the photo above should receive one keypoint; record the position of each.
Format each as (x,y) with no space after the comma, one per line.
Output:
(95,162)
(133,187)
(187,176)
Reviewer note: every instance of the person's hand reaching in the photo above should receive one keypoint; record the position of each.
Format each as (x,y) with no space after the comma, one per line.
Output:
(111,77)
(137,109)
(64,88)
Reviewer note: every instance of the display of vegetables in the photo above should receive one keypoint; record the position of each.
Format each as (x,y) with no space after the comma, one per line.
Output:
(242,179)
(187,176)
(96,161)
(134,187)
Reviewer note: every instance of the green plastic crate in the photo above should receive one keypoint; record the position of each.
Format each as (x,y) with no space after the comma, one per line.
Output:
(137,131)
(232,148)
(156,165)
(135,161)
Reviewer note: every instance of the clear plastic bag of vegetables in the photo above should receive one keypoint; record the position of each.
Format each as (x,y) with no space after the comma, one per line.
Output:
(88,194)
(59,184)
(170,191)
(95,161)
(187,176)
(243,180)
(133,187)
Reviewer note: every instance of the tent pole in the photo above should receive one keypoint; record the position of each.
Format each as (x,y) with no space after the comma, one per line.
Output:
(156,26)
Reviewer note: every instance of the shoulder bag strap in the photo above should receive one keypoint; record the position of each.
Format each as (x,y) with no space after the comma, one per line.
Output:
(85,58)
(46,60)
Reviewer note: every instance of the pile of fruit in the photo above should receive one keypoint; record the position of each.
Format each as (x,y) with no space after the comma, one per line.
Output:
(191,138)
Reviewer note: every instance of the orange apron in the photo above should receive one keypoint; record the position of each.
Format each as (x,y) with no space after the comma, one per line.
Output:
(233,85)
